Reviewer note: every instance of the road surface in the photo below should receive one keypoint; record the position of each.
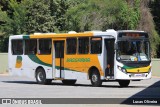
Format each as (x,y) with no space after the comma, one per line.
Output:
(22,87)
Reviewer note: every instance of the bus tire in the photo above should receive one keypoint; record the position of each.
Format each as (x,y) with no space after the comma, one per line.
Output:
(69,82)
(41,77)
(123,83)
(95,78)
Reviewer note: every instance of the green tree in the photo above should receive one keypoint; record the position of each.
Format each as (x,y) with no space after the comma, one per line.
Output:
(4,4)
(29,16)
(12,20)
(58,10)
(18,18)
(154,5)
(129,15)
(3,39)
(39,17)
(115,14)
(147,24)
(25,17)
(102,15)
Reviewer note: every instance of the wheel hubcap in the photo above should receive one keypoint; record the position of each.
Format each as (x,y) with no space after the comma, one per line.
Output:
(94,78)
(40,76)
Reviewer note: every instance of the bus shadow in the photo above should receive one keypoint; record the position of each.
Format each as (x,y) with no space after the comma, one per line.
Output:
(75,85)
(20,82)
(148,96)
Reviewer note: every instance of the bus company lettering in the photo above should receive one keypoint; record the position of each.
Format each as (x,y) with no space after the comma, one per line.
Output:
(78,60)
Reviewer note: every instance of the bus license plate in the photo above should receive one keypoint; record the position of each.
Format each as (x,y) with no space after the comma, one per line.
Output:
(138,75)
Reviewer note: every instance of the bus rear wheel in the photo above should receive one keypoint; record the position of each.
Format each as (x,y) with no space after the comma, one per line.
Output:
(123,83)
(69,82)
(41,77)
(95,78)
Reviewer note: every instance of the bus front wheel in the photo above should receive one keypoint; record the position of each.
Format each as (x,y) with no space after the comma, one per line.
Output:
(123,83)
(95,79)
(41,77)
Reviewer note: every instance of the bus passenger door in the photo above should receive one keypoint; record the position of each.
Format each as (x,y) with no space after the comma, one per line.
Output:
(59,59)
(109,69)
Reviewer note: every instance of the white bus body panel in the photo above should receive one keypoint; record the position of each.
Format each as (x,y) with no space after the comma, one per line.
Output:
(119,75)
(28,67)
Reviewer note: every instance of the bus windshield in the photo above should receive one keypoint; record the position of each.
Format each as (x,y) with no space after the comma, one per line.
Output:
(133,51)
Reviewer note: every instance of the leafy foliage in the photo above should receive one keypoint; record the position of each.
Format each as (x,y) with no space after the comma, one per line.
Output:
(103,14)
(146,23)
(29,16)
(155,4)
(39,18)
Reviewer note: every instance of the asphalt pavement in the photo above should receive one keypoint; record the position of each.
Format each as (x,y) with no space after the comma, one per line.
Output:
(22,87)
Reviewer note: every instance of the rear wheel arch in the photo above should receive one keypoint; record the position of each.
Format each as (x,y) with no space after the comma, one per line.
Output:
(40,76)
(95,77)
(91,69)
(39,67)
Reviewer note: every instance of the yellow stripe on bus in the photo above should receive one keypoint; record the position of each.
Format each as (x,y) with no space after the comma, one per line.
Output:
(141,70)
(47,35)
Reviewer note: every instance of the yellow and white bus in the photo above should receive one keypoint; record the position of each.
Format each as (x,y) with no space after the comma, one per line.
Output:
(95,55)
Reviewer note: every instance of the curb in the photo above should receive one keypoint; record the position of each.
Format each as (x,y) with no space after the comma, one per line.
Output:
(5,74)
(155,77)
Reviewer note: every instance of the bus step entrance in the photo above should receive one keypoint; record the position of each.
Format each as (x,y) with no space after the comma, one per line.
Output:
(109,72)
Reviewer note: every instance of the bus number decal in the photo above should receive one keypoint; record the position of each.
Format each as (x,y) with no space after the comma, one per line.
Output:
(78,59)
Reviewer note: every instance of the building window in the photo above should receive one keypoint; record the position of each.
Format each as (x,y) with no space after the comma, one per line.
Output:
(71,45)
(17,47)
(30,46)
(96,45)
(45,46)
(83,45)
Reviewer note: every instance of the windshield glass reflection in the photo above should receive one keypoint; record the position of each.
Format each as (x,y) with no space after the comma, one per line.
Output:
(133,51)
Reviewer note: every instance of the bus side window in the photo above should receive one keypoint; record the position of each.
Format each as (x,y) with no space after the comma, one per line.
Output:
(71,44)
(30,46)
(45,46)
(83,45)
(17,47)
(96,45)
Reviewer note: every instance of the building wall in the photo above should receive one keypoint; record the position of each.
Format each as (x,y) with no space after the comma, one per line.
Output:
(156,67)
(4,64)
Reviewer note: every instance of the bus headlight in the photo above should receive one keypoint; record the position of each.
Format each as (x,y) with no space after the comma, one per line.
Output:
(119,68)
(122,69)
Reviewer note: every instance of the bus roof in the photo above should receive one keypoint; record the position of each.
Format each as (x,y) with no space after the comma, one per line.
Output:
(109,32)
(60,35)
(130,31)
